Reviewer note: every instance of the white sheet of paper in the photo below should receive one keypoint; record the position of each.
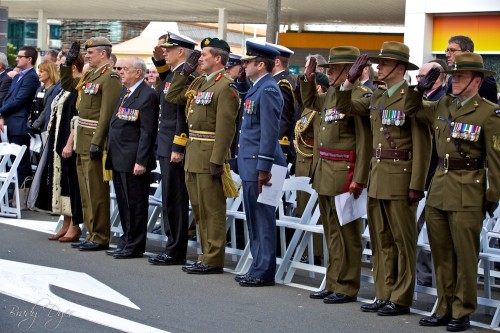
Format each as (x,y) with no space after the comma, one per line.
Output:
(3,135)
(271,195)
(348,208)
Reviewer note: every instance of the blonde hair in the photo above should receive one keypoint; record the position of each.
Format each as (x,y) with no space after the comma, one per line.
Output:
(50,68)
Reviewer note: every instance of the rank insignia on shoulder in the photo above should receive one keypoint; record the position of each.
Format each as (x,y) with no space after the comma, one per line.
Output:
(402,92)
(367,95)
(232,85)
(496,142)
(114,75)
(104,70)
(218,77)
(497,111)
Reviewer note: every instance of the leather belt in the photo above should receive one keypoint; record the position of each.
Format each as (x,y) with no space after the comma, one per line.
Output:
(396,154)
(448,163)
(337,155)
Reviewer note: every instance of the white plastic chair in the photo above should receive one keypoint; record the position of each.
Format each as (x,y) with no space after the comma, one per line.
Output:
(8,177)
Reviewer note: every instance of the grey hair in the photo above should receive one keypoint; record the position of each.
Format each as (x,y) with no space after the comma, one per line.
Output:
(139,64)
(107,49)
(320,60)
(3,60)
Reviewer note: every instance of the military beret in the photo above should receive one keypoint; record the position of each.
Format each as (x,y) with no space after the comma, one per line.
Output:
(97,41)
(283,50)
(234,59)
(255,49)
(215,42)
(173,39)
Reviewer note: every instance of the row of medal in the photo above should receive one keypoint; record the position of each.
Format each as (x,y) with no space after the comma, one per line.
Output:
(393,117)
(204,98)
(165,89)
(127,114)
(466,132)
(91,88)
(249,106)
(333,114)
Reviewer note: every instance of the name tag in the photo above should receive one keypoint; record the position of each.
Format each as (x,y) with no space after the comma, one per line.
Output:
(40,94)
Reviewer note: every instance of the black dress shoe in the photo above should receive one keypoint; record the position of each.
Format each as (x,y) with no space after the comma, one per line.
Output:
(240,277)
(434,320)
(186,266)
(458,325)
(78,244)
(392,309)
(252,281)
(201,268)
(373,307)
(165,260)
(321,294)
(337,298)
(126,255)
(111,252)
(91,246)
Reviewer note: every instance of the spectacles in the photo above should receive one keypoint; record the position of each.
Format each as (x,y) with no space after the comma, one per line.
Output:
(117,68)
(22,56)
(451,50)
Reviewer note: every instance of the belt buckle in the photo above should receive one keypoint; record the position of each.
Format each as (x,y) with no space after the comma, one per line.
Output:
(378,152)
(446,163)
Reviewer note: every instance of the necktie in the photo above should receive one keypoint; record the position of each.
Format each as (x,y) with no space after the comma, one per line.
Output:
(125,97)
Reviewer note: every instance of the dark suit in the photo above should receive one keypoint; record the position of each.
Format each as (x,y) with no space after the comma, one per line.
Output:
(5,82)
(15,109)
(287,121)
(258,151)
(172,127)
(131,138)
(369,83)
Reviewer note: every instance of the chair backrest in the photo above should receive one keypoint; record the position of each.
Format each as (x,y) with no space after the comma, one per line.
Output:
(294,184)
(11,150)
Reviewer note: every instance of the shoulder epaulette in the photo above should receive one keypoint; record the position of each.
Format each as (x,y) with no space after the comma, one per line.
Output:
(489,102)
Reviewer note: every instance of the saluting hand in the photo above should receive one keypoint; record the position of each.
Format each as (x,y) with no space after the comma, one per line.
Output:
(310,72)
(357,68)
(191,63)
(427,82)
(73,53)
(158,53)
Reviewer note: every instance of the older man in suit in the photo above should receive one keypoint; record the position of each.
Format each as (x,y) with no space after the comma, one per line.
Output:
(131,138)
(17,105)
(5,80)
(259,149)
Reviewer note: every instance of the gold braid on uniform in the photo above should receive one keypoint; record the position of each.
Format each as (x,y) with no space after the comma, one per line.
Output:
(288,85)
(79,86)
(299,129)
(190,95)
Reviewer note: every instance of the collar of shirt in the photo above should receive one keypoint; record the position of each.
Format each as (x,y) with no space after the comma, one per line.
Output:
(260,78)
(394,88)
(279,72)
(98,69)
(22,73)
(134,87)
(430,92)
(179,65)
(462,103)
(209,77)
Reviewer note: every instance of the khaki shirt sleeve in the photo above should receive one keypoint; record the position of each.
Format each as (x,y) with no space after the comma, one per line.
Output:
(111,90)
(310,97)
(492,143)
(227,111)
(416,107)
(177,91)
(68,83)
(348,104)
(421,141)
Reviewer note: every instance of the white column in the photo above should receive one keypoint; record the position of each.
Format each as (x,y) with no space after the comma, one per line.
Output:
(418,32)
(222,31)
(42,39)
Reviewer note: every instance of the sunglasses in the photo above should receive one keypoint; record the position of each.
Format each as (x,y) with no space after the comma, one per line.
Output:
(117,68)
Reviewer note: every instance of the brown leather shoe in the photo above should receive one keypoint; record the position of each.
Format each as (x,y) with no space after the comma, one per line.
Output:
(71,239)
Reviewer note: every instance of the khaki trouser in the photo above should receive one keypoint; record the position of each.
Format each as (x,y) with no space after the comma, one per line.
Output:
(94,193)
(454,240)
(344,250)
(209,206)
(393,237)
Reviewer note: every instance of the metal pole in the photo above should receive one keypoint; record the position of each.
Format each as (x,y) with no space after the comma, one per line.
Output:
(273,20)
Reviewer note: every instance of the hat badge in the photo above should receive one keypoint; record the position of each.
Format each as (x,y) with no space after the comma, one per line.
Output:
(89,43)
(167,37)
(207,42)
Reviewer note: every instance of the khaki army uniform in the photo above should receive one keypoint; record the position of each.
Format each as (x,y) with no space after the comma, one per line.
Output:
(466,136)
(99,91)
(211,113)
(400,158)
(342,150)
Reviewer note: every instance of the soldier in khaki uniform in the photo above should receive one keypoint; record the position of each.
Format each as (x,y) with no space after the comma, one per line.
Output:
(99,91)
(467,132)
(212,107)
(343,147)
(400,158)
